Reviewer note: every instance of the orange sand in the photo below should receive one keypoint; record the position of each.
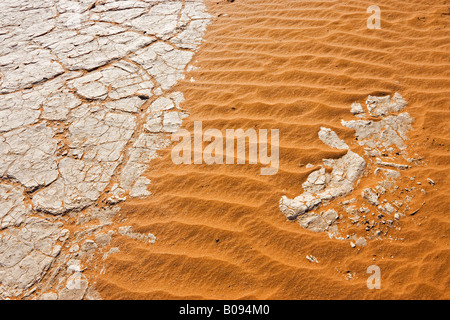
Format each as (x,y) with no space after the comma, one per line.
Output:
(295,66)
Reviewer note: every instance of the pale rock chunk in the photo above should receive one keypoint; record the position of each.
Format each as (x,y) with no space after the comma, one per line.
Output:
(356,108)
(386,208)
(25,67)
(390,130)
(389,174)
(26,254)
(131,104)
(162,104)
(330,138)
(141,153)
(30,156)
(49,296)
(172,122)
(381,106)
(117,195)
(190,38)
(139,189)
(18,109)
(13,210)
(75,291)
(361,242)
(89,87)
(154,122)
(370,196)
(93,46)
(313,222)
(322,186)
(118,16)
(160,21)
(164,63)
(311,258)
(330,216)
(128,231)
(59,104)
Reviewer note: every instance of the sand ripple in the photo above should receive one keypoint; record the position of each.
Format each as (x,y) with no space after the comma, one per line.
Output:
(295,66)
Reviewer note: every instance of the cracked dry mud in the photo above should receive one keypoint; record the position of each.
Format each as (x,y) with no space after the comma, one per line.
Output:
(85,103)
(383,134)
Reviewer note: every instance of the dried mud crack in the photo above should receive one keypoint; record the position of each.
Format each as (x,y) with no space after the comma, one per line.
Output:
(85,104)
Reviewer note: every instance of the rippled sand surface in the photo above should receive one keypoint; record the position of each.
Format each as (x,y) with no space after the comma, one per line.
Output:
(295,66)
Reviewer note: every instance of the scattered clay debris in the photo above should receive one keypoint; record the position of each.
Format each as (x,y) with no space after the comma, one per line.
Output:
(375,211)
(321,186)
(311,258)
(128,231)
